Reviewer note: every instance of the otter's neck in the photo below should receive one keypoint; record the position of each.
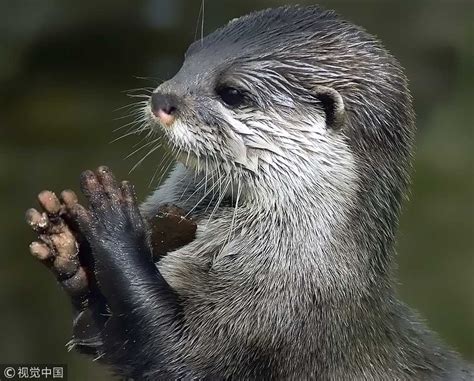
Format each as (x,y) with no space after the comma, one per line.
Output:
(323,212)
(348,254)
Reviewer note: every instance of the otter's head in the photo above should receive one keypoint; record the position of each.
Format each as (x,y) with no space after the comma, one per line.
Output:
(292,98)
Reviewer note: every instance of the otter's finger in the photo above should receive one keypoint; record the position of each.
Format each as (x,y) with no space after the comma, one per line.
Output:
(83,218)
(68,199)
(111,187)
(130,199)
(41,251)
(128,192)
(39,222)
(49,202)
(92,189)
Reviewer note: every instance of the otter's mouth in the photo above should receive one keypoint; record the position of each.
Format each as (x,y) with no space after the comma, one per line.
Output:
(165,126)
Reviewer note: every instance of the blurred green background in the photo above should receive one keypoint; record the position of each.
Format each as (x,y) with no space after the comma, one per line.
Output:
(64,67)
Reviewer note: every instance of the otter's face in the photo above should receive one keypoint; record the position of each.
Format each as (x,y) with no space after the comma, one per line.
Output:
(281,93)
(242,110)
(237,113)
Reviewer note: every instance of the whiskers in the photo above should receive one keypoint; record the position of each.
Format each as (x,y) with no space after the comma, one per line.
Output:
(138,123)
(215,185)
(200,21)
(135,111)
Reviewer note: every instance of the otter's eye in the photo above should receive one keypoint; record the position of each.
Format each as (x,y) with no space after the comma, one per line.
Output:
(231,96)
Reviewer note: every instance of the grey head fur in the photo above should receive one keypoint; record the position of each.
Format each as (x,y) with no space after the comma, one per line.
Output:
(297,190)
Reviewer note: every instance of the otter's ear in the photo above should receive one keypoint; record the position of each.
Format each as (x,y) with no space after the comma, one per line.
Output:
(333,106)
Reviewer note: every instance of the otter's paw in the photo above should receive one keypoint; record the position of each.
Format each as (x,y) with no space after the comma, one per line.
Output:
(113,224)
(57,246)
(116,233)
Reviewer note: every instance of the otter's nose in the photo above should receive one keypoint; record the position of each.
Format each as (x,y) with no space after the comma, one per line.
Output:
(164,107)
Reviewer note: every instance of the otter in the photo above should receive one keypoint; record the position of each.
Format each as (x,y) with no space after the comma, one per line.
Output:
(293,132)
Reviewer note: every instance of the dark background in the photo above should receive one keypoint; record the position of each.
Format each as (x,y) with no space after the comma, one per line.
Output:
(64,67)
